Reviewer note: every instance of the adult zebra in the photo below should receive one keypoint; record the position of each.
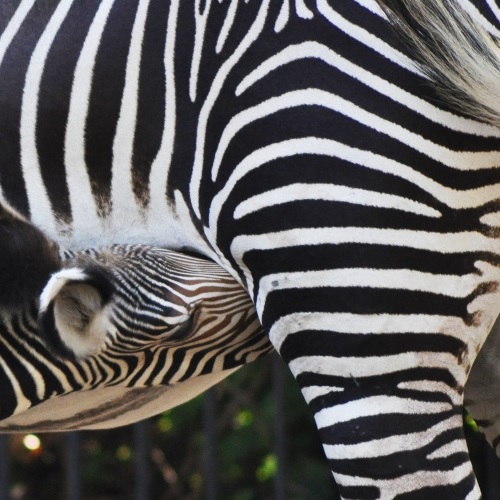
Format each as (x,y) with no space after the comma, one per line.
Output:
(298,144)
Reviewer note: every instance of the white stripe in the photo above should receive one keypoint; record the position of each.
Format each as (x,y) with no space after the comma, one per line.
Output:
(83,204)
(33,373)
(367,38)
(23,403)
(386,446)
(375,406)
(315,391)
(39,203)
(326,147)
(252,34)
(302,10)
(361,367)
(14,24)
(460,160)
(372,6)
(331,192)
(122,194)
(391,488)
(160,168)
(199,37)
(394,279)
(227,25)
(433,387)
(446,450)
(282,19)
(422,240)
(30,344)
(491,219)
(366,324)
(319,51)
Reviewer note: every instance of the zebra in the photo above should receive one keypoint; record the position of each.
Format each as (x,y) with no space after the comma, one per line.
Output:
(130,331)
(316,155)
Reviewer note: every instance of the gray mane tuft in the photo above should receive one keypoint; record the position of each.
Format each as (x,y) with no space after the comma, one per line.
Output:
(460,57)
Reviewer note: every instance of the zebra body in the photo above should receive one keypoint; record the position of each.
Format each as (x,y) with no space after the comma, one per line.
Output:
(301,145)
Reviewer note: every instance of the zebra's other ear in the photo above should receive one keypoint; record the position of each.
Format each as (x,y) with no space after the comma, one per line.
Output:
(73,315)
(27,259)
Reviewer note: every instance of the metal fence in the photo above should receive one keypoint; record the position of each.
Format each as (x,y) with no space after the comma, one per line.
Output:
(487,467)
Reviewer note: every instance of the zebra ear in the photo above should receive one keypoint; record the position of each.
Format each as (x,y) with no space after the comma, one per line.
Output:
(73,317)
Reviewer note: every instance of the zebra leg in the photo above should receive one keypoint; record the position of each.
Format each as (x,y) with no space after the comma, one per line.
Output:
(380,324)
(359,215)
(386,392)
(380,347)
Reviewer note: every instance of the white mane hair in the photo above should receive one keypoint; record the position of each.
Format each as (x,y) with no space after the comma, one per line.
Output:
(458,54)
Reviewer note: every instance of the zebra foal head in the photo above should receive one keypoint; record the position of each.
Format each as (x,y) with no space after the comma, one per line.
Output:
(89,298)
(120,333)
(124,298)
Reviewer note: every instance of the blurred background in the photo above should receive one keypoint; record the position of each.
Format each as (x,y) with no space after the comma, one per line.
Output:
(251,437)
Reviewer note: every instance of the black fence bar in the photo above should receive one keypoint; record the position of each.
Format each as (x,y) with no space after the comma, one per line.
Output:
(73,466)
(209,453)
(4,466)
(279,426)
(141,460)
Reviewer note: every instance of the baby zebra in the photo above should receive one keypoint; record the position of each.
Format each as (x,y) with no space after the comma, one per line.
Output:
(108,336)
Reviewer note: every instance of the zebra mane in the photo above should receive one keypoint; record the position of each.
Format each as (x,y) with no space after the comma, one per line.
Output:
(460,57)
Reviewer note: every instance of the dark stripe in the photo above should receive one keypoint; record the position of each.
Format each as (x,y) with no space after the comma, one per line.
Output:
(12,79)
(151,99)
(360,430)
(330,343)
(320,257)
(360,301)
(359,492)
(105,100)
(53,108)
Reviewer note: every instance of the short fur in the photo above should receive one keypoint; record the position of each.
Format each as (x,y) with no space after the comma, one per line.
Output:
(27,259)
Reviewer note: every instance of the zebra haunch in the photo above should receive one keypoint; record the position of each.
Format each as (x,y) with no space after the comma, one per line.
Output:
(307,148)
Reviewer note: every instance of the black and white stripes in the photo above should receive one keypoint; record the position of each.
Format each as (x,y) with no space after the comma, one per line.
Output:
(164,324)
(302,145)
